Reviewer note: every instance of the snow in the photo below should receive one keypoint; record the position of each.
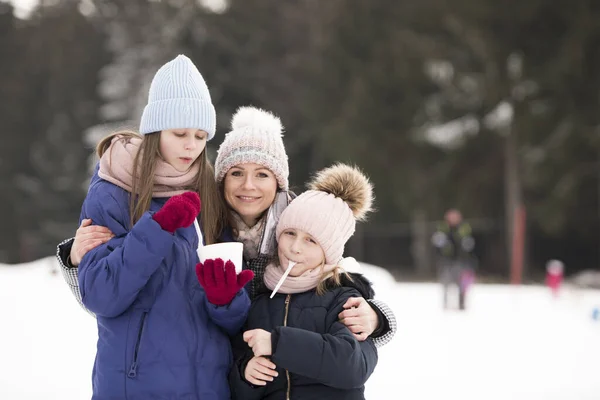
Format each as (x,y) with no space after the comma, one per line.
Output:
(452,134)
(511,343)
(23,7)
(500,117)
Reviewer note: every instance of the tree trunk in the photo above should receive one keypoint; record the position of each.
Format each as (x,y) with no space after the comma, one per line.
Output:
(513,198)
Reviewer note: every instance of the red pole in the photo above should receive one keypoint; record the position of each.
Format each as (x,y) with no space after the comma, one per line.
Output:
(518,244)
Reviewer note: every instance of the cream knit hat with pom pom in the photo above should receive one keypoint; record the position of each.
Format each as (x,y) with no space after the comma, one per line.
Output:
(255,138)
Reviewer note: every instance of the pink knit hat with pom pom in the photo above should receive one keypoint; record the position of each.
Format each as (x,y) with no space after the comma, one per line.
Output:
(338,197)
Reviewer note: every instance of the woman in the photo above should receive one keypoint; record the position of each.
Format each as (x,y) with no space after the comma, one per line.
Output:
(252,173)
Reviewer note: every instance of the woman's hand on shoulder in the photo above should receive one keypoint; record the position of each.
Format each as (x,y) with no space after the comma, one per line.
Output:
(359,317)
(88,237)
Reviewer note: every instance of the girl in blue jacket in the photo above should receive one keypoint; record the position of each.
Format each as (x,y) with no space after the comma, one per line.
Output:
(163,327)
(294,346)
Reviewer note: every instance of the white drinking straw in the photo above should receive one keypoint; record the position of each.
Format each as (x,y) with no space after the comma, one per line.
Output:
(200,239)
(285,274)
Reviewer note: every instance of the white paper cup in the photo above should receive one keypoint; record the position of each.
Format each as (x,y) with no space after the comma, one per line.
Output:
(226,251)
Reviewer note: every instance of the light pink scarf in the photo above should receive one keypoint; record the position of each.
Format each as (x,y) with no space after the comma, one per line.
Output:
(296,284)
(116,166)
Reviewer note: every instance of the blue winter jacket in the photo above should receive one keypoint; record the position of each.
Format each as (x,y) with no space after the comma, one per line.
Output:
(158,336)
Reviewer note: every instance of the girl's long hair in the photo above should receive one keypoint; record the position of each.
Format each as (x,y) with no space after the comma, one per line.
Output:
(213,216)
(331,279)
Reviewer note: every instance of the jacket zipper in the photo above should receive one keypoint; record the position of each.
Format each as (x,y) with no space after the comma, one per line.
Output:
(287,373)
(133,369)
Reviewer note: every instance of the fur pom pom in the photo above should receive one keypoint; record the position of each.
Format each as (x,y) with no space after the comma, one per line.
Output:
(347,183)
(258,119)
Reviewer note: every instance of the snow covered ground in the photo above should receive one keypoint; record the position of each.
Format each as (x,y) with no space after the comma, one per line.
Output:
(512,343)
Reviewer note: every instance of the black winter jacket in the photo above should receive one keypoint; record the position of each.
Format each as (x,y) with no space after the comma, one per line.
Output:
(317,357)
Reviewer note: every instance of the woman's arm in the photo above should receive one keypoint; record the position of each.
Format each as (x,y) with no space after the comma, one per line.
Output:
(369,318)
(69,272)
(87,237)
(387,323)
(364,316)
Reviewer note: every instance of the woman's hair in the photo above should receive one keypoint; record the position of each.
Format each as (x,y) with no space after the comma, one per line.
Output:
(212,217)
(230,221)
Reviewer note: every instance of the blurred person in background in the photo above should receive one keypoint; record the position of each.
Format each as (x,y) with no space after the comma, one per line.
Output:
(554,276)
(454,243)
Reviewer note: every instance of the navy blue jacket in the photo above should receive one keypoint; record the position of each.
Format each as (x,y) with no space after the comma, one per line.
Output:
(158,336)
(317,357)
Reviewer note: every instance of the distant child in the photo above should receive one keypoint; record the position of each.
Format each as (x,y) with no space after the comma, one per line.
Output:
(554,276)
(296,347)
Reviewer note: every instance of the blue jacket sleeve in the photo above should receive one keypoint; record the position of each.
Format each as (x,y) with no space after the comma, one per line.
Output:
(231,317)
(112,274)
(336,359)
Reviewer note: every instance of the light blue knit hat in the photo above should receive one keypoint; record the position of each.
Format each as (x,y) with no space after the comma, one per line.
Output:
(178,98)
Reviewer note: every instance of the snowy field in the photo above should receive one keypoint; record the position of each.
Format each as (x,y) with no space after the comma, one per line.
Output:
(512,343)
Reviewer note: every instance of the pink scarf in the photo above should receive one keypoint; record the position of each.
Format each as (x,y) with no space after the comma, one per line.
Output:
(116,166)
(296,284)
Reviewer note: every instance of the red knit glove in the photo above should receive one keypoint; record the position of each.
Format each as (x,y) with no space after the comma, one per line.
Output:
(178,212)
(220,282)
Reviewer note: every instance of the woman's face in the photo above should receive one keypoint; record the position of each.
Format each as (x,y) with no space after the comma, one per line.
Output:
(250,189)
(301,248)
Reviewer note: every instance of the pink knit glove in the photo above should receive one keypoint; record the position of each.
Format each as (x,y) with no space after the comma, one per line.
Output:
(178,212)
(220,282)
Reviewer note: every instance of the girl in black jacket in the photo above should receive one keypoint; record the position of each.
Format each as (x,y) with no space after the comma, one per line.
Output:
(294,346)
